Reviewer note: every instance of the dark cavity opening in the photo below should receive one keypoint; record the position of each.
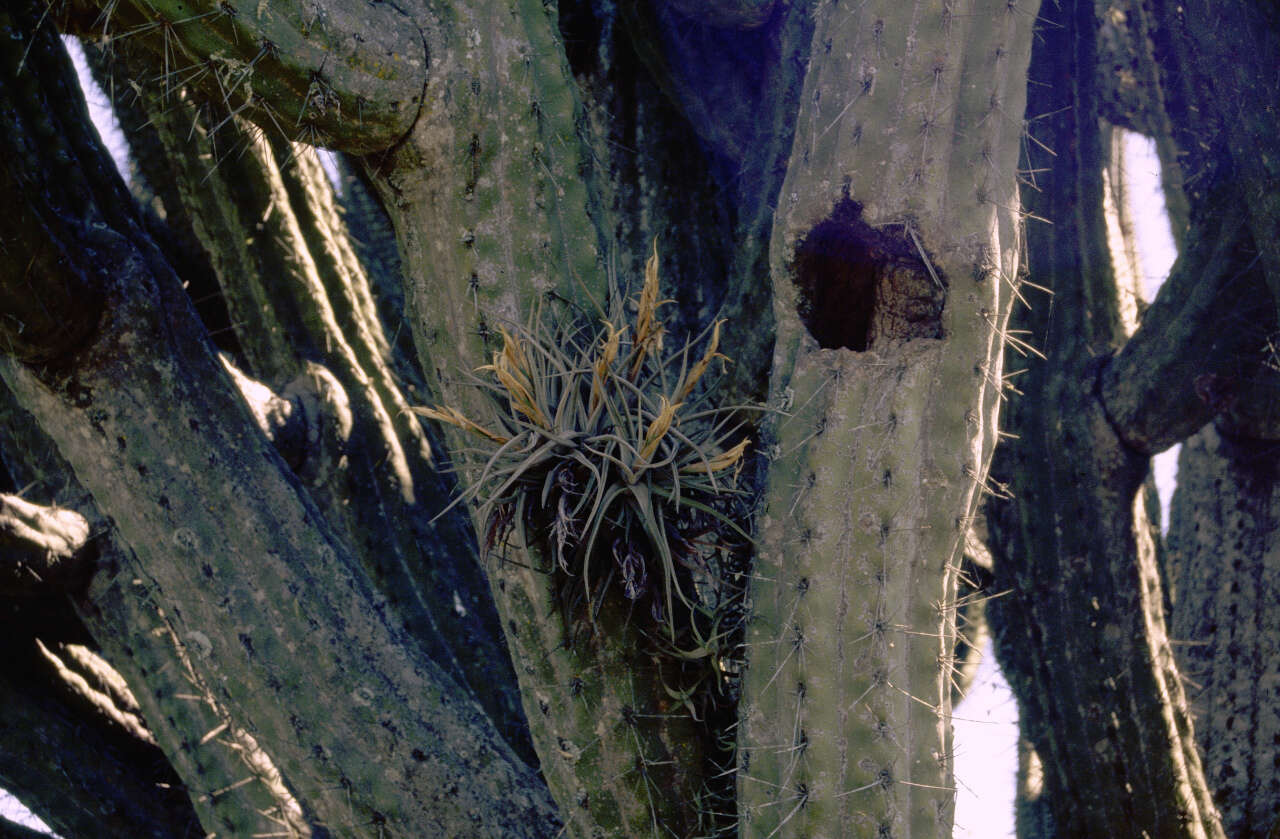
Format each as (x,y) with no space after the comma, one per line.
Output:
(861,285)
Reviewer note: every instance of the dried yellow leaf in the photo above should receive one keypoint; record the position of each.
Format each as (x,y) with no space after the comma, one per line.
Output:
(454,417)
(608,354)
(704,362)
(658,428)
(721,461)
(648,325)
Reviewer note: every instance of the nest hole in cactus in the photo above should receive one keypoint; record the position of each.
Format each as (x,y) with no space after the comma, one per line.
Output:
(861,285)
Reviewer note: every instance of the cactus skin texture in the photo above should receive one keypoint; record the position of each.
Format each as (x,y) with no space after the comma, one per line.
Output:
(499,135)
(901,190)
(904,156)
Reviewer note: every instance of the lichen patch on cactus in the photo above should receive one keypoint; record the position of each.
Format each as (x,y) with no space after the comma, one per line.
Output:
(861,285)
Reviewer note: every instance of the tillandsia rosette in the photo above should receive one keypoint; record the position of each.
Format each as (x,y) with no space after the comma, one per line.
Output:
(610,456)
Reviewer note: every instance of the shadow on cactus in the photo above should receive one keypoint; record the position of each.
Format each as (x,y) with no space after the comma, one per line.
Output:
(610,458)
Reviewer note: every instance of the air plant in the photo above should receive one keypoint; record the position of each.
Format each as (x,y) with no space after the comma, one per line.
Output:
(609,457)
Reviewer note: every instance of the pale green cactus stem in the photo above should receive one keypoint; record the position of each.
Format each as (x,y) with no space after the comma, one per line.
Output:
(498,132)
(284,64)
(878,461)
(604,436)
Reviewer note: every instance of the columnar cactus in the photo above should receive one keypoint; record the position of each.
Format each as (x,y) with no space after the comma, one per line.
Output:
(895,256)
(499,134)
(892,259)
